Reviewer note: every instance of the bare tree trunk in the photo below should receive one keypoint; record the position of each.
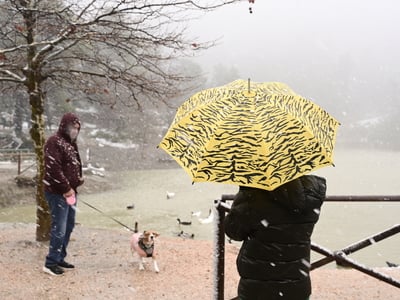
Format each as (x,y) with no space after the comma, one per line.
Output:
(43,220)
(36,101)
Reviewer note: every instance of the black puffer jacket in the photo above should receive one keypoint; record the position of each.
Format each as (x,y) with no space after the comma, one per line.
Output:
(275,227)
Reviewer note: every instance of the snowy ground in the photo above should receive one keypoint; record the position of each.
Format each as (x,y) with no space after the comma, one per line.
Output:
(105,269)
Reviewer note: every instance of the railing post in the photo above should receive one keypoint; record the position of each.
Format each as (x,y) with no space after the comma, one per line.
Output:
(19,162)
(220,252)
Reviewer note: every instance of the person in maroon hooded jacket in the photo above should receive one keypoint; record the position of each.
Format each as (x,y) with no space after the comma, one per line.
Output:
(63,175)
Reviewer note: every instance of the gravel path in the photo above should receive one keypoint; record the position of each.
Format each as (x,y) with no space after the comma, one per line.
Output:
(105,269)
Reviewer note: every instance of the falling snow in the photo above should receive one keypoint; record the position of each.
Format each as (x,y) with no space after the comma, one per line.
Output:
(264,223)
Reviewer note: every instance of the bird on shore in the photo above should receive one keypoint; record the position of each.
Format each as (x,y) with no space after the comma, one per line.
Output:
(185,235)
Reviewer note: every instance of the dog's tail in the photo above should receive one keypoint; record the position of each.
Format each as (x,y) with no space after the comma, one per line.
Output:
(136,228)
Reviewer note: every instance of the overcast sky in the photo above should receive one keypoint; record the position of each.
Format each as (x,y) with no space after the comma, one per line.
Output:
(342,53)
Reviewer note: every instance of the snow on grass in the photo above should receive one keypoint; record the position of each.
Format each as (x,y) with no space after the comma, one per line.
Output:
(103,142)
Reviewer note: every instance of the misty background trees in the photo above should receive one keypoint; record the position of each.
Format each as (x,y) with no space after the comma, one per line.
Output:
(124,67)
(340,54)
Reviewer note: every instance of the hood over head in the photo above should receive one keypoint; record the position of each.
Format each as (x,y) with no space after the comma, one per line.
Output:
(304,193)
(299,195)
(66,120)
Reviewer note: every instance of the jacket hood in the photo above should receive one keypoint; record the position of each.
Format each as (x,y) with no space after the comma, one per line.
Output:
(68,119)
(304,193)
(301,194)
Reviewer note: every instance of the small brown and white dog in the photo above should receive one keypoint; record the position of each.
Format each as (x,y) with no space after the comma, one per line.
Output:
(142,246)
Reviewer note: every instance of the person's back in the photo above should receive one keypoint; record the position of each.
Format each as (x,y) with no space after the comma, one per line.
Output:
(275,227)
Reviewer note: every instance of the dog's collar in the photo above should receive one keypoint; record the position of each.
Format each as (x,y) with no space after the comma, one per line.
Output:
(147,249)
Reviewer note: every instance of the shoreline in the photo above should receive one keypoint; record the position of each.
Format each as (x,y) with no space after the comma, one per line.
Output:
(105,269)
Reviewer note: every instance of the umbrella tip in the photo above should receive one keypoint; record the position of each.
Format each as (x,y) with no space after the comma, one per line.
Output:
(249,93)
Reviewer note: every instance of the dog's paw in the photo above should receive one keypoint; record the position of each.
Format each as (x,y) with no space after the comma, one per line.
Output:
(156,269)
(141,267)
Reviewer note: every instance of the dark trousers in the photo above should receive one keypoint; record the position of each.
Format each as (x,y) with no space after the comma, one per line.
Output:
(62,224)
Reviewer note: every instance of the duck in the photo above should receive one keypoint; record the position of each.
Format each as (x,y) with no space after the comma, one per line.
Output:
(170,195)
(392,265)
(209,219)
(183,222)
(131,206)
(196,213)
(186,235)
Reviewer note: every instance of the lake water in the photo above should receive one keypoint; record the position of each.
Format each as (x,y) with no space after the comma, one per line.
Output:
(357,172)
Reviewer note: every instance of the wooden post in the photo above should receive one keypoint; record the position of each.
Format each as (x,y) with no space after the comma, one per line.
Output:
(19,162)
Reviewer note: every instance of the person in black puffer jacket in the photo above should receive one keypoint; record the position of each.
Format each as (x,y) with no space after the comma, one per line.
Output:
(275,227)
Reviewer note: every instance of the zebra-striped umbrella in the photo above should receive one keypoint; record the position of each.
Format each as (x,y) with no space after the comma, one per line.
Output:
(258,135)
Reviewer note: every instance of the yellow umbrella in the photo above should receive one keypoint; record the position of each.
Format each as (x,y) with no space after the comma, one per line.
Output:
(262,135)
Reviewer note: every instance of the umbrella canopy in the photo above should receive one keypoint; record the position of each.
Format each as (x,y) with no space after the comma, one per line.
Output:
(262,135)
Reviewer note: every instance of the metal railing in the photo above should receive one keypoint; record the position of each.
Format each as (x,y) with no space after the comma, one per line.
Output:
(339,256)
(19,156)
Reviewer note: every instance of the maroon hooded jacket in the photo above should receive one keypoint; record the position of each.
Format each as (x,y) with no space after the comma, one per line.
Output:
(63,168)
